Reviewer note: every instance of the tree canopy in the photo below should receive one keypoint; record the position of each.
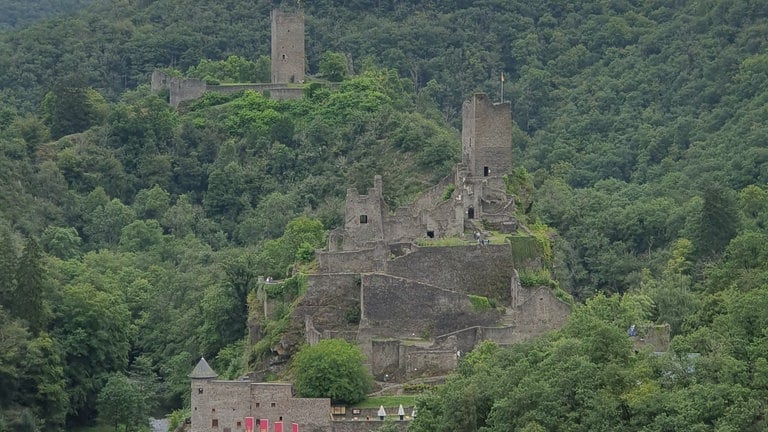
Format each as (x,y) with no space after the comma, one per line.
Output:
(331,368)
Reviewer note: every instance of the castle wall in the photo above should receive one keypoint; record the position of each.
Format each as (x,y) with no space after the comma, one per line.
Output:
(186,89)
(361,261)
(419,362)
(539,311)
(385,358)
(485,270)
(373,424)
(287,47)
(275,91)
(327,300)
(397,307)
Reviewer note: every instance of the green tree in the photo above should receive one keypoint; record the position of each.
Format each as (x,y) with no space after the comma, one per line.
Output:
(13,345)
(61,242)
(8,267)
(70,108)
(333,66)
(43,384)
(121,402)
(94,330)
(332,368)
(28,298)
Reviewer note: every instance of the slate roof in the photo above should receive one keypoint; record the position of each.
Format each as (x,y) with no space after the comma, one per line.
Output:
(203,370)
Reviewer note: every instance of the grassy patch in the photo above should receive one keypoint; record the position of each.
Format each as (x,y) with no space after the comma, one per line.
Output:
(447,241)
(534,278)
(387,401)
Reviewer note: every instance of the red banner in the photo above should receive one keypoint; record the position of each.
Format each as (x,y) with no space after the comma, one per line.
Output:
(249,424)
(263,425)
(279,426)
(294,427)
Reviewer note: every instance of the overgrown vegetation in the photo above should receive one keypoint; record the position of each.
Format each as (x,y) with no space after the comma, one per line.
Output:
(479,303)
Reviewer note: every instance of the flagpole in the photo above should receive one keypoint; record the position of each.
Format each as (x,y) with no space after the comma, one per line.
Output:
(501,94)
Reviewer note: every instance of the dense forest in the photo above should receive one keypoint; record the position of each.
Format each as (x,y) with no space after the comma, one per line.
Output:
(131,234)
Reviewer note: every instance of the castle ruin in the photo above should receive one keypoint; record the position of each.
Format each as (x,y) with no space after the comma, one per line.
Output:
(287,67)
(409,308)
(414,304)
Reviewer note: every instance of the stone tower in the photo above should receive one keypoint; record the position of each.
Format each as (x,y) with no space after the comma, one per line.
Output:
(202,376)
(287,47)
(486,137)
(486,157)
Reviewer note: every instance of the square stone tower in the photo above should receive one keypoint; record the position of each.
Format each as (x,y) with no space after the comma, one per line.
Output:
(287,47)
(486,137)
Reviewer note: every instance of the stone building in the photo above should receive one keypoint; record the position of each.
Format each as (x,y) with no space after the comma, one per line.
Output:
(222,406)
(287,47)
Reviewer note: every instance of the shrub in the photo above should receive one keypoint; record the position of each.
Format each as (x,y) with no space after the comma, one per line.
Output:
(332,368)
(479,303)
(534,278)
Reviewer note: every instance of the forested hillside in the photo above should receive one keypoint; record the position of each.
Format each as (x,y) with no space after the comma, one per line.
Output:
(131,234)
(21,13)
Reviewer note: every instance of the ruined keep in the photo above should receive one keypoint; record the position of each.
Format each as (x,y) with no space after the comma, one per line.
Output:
(287,47)
(287,67)
(479,193)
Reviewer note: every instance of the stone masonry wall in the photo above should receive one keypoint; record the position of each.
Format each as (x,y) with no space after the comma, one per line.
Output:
(362,261)
(363,425)
(185,89)
(419,362)
(385,358)
(485,270)
(396,307)
(328,298)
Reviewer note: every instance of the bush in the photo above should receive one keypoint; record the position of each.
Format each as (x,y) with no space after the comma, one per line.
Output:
(479,303)
(534,278)
(332,368)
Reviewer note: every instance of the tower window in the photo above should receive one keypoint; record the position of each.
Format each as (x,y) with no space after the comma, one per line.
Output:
(273,405)
(431,234)
(215,423)
(200,390)
(363,219)
(471,213)
(486,171)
